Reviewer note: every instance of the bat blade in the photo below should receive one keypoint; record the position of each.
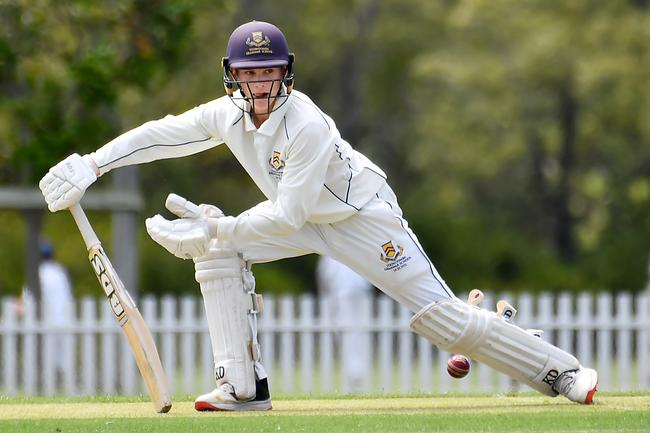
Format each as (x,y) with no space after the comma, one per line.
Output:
(135,329)
(133,325)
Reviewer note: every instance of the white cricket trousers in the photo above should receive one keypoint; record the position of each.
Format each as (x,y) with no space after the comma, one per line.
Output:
(375,242)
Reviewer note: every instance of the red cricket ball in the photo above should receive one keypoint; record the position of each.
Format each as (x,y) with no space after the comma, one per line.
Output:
(458,366)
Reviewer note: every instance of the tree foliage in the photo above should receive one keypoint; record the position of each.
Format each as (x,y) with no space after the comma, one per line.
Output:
(64,65)
(515,133)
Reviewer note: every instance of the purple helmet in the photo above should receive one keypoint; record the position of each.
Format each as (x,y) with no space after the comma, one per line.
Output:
(257,44)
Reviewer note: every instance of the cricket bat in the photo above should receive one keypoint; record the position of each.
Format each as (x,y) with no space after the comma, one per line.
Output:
(126,312)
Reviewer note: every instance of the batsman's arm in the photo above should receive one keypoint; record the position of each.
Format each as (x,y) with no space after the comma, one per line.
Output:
(133,325)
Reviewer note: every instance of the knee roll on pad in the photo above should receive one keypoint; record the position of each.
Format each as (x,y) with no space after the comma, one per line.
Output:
(231,306)
(482,335)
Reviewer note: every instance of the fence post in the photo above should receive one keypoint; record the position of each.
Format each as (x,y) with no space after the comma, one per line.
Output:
(326,346)
(603,319)
(385,321)
(48,355)
(623,339)
(365,341)
(405,350)
(425,364)
(287,347)
(564,320)
(168,349)
(306,320)
(88,346)
(108,349)
(188,344)
(30,349)
(585,331)
(525,310)
(8,330)
(643,339)
(70,338)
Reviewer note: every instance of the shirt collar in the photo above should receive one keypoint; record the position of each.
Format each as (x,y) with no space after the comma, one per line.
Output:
(271,124)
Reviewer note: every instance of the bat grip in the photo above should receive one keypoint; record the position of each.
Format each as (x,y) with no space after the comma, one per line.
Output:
(87,232)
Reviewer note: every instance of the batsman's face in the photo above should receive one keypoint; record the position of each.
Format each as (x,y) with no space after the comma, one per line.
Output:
(260,86)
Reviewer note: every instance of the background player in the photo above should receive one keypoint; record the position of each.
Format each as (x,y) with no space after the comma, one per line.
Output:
(57,314)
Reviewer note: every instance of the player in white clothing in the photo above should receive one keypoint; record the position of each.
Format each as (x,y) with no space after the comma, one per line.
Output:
(57,315)
(323,197)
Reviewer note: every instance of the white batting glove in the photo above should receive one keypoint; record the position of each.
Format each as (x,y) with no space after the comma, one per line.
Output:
(66,182)
(186,238)
(210,211)
(184,208)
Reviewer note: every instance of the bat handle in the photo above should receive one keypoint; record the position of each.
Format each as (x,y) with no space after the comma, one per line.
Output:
(87,232)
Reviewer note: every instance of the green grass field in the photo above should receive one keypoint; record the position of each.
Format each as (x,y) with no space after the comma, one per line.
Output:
(373,414)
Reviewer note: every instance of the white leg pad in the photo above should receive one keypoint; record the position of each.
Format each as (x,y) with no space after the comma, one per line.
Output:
(487,338)
(231,306)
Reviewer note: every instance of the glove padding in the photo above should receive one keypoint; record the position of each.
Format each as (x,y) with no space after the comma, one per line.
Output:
(186,238)
(66,182)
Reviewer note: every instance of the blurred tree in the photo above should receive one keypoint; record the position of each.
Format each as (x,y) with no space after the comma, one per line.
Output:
(515,133)
(523,120)
(63,65)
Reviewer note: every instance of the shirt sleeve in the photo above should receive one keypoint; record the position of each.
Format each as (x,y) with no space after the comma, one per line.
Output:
(298,191)
(169,137)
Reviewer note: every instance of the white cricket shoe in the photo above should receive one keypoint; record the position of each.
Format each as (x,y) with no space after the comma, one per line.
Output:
(224,399)
(577,385)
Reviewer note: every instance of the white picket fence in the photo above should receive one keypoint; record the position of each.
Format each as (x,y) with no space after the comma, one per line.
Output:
(301,346)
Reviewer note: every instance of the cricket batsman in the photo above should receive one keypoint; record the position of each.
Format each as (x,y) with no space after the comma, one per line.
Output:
(323,197)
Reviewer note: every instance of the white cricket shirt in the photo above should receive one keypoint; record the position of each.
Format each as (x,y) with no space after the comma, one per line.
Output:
(297,158)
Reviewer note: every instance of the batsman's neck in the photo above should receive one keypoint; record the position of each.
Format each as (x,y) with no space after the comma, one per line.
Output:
(259,119)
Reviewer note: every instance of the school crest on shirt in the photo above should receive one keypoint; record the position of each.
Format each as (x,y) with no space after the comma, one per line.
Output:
(277,165)
(393,256)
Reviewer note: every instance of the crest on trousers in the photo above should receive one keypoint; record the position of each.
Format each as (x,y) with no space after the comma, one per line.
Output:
(393,256)
(390,252)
